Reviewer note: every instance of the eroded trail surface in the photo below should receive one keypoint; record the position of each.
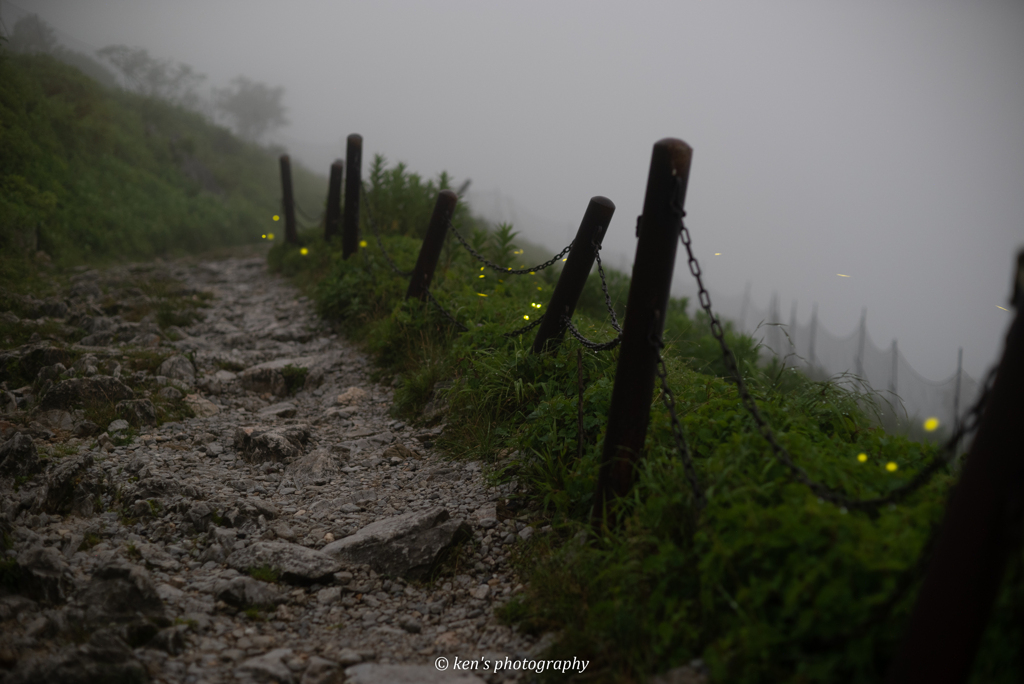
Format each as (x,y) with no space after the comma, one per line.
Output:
(286,533)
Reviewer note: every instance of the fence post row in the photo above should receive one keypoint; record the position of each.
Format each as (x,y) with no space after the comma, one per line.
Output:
(291,236)
(353,162)
(333,214)
(645,319)
(430,251)
(574,274)
(979,532)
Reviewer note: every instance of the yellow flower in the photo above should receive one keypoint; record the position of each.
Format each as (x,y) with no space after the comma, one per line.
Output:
(862,457)
(931,424)
(481,294)
(303,251)
(362,243)
(526,318)
(270,236)
(891,467)
(276,217)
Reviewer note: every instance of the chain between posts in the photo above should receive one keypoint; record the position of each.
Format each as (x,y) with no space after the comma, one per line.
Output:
(822,490)
(376,235)
(507,271)
(668,398)
(604,288)
(447,314)
(590,344)
(307,216)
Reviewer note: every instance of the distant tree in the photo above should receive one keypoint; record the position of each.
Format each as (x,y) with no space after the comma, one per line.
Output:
(32,34)
(254,108)
(147,75)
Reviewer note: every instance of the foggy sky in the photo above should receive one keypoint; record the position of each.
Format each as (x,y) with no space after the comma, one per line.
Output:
(881,140)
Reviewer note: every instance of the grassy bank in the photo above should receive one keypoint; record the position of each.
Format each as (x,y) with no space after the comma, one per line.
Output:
(94,174)
(768,583)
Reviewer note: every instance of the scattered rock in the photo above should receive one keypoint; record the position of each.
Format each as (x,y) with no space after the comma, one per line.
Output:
(243,592)
(124,594)
(41,572)
(137,412)
(57,419)
(177,367)
(351,396)
(67,489)
(294,563)
(283,409)
(407,545)
(18,456)
(269,667)
(258,446)
(262,380)
(201,407)
(170,393)
(319,467)
(72,393)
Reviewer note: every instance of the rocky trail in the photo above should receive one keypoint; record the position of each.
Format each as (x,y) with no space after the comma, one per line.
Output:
(223,496)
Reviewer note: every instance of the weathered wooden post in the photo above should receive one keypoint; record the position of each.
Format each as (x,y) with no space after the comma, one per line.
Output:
(354,164)
(980,531)
(419,283)
(291,236)
(333,215)
(574,275)
(630,408)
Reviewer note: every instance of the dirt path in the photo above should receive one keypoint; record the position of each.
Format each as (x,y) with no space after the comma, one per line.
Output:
(285,534)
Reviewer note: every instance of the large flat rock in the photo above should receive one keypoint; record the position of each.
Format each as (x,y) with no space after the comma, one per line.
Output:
(407,545)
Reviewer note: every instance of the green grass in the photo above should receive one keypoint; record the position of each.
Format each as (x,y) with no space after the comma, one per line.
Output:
(92,174)
(765,584)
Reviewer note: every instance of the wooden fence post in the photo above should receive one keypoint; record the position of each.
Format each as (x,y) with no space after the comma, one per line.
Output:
(291,236)
(574,275)
(630,408)
(419,283)
(354,164)
(981,529)
(333,214)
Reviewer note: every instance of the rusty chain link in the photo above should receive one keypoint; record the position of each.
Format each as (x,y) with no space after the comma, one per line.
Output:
(590,344)
(450,317)
(668,398)
(507,271)
(604,288)
(823,491)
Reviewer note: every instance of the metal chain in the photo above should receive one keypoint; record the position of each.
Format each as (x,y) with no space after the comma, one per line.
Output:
(307,216)
(677,429)
(604,287)
(450,317)
(507,271)
(376,234)
(822,490)
(525,328)
(594,346)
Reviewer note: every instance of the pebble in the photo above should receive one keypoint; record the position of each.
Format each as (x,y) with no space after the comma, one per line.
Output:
(197,500)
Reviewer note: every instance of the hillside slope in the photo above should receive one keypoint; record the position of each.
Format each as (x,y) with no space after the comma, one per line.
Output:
(89,173)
